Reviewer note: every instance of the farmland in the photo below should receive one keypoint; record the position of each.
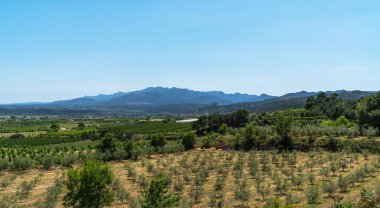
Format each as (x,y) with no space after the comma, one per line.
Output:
(294,158)
(204,178)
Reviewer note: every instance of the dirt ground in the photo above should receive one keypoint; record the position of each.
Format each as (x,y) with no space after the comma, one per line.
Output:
(168,163)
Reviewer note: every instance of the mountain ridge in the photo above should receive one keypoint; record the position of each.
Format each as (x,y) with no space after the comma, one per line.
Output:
(164,101)
(161,96)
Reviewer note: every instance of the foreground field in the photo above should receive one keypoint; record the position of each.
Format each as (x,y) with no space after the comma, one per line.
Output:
(206,178)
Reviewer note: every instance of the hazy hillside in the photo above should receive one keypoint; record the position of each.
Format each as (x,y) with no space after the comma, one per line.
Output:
(157,96)
(287,101)
(166,101)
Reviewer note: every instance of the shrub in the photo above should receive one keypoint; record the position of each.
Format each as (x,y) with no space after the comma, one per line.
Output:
(4,165)
(121,194)
(132,151)
(81,126)
(107,144)
(324,171)
(329,188)
(343,183)
(54,127)
(370,132)
(6,181)
(158,140)
(24,190)
(311,178)
(156,195)
(21,163)
(17,136)
(132,173)
(242,193)
(264,191)
(332,143)
(312,194)
(48,162)
(89,186)
(342,121)
(188,140)
(283,128)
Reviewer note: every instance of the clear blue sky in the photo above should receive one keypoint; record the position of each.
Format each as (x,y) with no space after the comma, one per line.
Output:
(51,50)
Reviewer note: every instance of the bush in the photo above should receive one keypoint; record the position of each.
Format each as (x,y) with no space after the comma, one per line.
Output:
(332,144)
(312,194)
(329,188)
(54,128)
(48,162)
(283,128)
(155,195)
(17,136)
(188,140)
(24,190)
(21,163)
(158,140)
(107,144)
(342,121)
(370,132)
(369,111)
(89,186)
(4,165)
(81,126)
(132,151)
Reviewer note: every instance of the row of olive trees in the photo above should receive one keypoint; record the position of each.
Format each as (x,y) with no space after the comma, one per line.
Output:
(94,185)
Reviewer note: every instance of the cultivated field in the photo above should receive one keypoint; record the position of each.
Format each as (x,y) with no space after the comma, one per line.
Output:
(205,178)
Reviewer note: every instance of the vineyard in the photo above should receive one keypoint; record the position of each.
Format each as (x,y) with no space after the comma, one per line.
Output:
(209,178)
(151,127)
(23,126)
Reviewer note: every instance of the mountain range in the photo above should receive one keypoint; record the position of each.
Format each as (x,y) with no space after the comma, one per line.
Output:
(162,96)
(160,100)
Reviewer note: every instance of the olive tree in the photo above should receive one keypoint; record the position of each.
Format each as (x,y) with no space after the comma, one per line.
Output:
(156,195)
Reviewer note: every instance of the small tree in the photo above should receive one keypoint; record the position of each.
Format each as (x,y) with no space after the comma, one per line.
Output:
(329,188)
(188,140)
(48,161)
(155,195)
(158,140)
(54,127)
(369,111)
(81,126)
(333,168)
(121,194)
(370,132)
(108,144)
(297,181)
(311,178)
(132,150)
(332,143)
(312,194)
(342,121)
(283,127)
(89,186)
(264,191)
(343,183)
(25,189)
(324,171)
(242,193)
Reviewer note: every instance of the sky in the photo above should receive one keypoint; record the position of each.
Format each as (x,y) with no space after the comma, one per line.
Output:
(54,50)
